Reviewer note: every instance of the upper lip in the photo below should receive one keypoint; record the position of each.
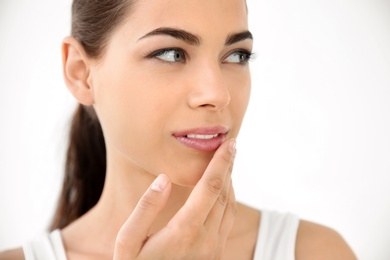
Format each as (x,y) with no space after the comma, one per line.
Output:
(209,130)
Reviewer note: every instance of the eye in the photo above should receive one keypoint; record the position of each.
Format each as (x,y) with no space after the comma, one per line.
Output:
(240,57)
(169,55)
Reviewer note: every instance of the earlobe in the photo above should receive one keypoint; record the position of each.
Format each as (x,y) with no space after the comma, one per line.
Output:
(76,71)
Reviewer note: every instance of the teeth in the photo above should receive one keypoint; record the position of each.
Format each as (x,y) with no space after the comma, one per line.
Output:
(201,136)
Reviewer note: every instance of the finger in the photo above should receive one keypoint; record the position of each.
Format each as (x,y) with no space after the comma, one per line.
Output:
(228,216)
(133,234)
(209,187)
(217,212)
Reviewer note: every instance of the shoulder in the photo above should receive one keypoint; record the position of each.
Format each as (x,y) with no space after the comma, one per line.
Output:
(319,242)
(247,221)
(13,254)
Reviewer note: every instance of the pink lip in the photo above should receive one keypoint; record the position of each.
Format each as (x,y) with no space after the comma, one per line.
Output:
(204,145)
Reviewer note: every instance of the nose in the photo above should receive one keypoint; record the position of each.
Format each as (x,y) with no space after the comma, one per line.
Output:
(209,89)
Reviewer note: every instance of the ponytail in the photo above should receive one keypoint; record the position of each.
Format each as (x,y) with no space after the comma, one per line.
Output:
(85,168)
(92,24)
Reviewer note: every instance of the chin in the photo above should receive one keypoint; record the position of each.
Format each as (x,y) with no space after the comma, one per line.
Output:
(189,182)
(188,174)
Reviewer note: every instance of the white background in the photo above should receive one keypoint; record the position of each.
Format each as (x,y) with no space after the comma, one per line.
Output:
(316,140)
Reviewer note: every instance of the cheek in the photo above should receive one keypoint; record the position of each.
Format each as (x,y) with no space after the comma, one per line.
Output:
(126,108)
(240,95)
(243,94)
(135,113)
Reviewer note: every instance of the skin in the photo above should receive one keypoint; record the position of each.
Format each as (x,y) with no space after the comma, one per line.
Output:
(189,211)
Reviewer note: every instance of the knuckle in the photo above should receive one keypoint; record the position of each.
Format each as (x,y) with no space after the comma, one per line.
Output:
(147,202)
(215,185)
(223,199)
(122,241)
(188,237)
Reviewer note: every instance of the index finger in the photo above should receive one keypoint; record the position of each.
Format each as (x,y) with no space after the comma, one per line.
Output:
(209,187)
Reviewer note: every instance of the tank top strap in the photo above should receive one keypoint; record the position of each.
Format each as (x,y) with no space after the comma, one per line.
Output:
(277,236)
(45,247)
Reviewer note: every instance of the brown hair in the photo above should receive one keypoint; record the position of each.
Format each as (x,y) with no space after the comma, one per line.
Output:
(93,21)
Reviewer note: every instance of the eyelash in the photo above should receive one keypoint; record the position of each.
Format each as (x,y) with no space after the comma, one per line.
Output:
(249,56)
(155,54)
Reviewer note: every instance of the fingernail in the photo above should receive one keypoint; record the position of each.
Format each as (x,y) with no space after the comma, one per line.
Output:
(232,147)
(159,183)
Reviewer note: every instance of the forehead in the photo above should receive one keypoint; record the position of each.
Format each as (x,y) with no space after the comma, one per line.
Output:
(202,17)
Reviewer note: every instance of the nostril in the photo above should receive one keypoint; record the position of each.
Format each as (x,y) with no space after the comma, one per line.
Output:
(209,100)
(207,105)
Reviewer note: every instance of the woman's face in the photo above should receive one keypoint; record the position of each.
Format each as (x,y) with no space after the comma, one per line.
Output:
(173,84)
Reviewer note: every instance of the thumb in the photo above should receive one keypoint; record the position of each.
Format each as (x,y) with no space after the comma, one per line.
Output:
(133,234)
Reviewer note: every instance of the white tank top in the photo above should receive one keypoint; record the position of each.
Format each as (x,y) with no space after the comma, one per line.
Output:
(277,236)
(275,241)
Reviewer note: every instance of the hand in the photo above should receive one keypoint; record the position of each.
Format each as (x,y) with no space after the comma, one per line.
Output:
(199,230)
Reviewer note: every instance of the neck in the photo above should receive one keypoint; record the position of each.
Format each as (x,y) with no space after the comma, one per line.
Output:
(124,185)
(123,189)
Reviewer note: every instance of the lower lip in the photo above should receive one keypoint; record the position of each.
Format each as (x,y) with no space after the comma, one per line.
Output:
(204,145)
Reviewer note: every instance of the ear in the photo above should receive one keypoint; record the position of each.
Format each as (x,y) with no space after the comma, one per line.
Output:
(76,70)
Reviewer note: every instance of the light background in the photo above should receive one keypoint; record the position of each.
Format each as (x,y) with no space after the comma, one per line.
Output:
(315,141)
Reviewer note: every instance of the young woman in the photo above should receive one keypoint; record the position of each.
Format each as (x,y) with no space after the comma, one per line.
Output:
(163,87)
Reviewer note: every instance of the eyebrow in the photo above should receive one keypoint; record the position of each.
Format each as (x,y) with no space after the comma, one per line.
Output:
(189,38)
(237,37)
(194,39)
